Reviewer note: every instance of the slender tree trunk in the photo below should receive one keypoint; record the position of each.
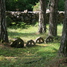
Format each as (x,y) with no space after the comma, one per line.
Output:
(0,19)
(63,46)
(53,17)
(3,29)
(42,17)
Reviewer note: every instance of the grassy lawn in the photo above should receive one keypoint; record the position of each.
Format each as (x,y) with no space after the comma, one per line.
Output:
(37,56)
(29,33)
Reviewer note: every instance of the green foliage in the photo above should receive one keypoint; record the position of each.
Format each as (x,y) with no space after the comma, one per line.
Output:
(8,20)
(20,4)
(21,25)
(36,7)
(16,24)
(61,5)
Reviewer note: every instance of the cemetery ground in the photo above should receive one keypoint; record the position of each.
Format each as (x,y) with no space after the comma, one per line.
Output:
(40,55)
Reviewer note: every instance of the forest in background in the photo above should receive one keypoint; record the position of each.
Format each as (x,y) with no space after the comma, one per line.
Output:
(30,5)
(16,48)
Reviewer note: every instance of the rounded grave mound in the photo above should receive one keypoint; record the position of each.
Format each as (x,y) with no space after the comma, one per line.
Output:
(49,39)
(30,43)
(18,43)
(39,40)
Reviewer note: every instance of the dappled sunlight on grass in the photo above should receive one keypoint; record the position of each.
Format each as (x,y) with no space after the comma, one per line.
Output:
(36,56)
(25,34)
(60,27)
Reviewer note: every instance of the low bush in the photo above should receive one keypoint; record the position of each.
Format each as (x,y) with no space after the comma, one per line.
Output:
(36,7)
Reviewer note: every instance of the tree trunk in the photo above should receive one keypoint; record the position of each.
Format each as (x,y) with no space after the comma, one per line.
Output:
(0,19)
(42,17)
(53,17)
(63,46)
(3,29)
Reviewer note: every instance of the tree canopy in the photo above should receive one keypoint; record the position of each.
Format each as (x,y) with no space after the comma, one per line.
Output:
(20,4)
(13,5)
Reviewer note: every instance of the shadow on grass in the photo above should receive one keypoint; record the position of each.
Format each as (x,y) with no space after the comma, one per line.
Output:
(41,54)
(28,51)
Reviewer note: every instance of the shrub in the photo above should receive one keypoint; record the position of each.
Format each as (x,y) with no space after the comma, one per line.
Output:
(21,24)
(61,5)
(36,7)
(8,21)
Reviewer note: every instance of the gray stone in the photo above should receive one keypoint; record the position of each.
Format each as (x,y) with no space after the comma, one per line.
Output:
(49,39)
(18,43)
(39,40)
(30,43)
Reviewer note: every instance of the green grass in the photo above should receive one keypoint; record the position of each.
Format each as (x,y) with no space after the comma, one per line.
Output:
(29,33)
(37,56)
(24,55)
(59,31)
(26,34)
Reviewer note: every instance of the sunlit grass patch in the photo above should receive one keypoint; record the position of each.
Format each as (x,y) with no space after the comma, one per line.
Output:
(25,34)
(36,56)
(60,28)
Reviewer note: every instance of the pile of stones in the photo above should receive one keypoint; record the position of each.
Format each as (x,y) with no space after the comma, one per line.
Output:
(30,17)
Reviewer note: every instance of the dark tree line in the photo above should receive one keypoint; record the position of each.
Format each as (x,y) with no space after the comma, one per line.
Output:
(13,5)
(21,5)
